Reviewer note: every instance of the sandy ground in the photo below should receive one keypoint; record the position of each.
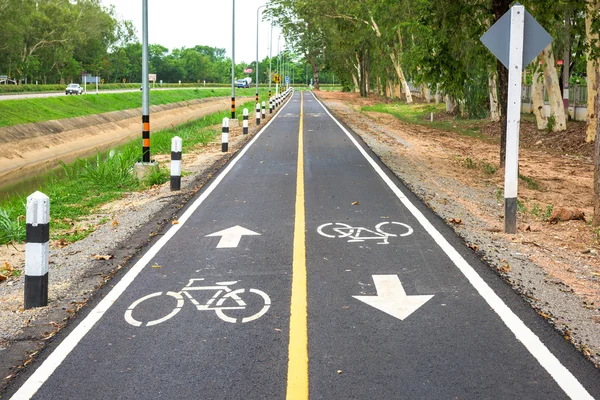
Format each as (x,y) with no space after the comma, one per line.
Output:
(555,266)
(34,152)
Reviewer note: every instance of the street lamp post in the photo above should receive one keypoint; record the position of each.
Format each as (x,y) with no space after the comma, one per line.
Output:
(257,14)
(233,61)
(270,52)
(145,87)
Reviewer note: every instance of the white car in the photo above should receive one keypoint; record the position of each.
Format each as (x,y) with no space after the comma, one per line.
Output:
(74,88)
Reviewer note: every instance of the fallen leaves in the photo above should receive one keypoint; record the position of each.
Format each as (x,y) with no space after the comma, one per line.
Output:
(114,224)
(157,266)
(102,257)
(60,243)
(455,221)
(174,222)
(355,203)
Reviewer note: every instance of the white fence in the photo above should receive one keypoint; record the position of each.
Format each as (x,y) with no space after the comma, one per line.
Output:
(577,102)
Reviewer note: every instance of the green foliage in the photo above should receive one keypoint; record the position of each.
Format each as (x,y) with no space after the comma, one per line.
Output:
(470,164)
(531,183)
(551,123)
(499,196)
(488,168)
(12,227)
(521,207)
(535,210)
(549,210)
(157,176)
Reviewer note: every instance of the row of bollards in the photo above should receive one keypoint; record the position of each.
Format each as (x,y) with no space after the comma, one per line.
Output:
(261,114)
(37,229)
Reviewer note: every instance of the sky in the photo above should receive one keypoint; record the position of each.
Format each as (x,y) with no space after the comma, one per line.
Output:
(186,23)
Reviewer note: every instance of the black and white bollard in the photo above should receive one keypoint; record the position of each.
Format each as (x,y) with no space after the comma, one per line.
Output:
(37,232)
(245,128)
(270,105)
(225,135)
(264,112)
(176,147)
(257,113)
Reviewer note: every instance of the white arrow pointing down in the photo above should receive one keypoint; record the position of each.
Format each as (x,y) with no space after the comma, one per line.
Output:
(231,237)
(391,297)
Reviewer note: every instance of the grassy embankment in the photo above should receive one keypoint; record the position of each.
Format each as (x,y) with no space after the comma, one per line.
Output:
(85,185)
(24,111)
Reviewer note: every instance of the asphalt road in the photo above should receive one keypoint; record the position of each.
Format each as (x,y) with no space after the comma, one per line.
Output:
(92,90)
(342,286)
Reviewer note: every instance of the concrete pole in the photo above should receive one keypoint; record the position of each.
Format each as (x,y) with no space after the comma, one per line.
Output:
(176,150)
(37,250)
(145,86)
(270,52)
(513,115)
(233,61)
(257,14)
(225,136)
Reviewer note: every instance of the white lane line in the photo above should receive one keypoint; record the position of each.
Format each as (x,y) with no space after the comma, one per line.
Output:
(37,379)
(563,377)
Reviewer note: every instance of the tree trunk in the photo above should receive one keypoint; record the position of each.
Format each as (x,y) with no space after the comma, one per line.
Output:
(596,219)
(401,77)
(398,91)
(499,8)
(591,10)
(363,74)
(426,93)
(493,92)
(566,73)
(437,94)
(557,108)
(451,105)
(355,81)
(537,97)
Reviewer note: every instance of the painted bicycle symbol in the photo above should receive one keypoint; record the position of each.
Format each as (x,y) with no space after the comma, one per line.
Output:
(382,232)
(222,302)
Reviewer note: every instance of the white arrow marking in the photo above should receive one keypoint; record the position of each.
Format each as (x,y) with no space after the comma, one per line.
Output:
(231,237)
(391,297)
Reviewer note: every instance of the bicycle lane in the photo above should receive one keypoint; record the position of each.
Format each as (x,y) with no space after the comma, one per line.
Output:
(448,343)
(179,350)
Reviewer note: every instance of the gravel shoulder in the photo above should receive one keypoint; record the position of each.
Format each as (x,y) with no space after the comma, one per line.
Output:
(555,267)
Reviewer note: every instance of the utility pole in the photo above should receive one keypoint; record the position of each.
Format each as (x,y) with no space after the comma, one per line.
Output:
(270,52)
(232,61)
(257,14)
(145,86)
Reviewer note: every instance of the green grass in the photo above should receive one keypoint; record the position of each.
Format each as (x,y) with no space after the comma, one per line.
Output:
(86,184)
(23,111)
(531,183)
(419,114)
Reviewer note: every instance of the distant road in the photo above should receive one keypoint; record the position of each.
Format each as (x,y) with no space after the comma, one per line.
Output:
(90,92)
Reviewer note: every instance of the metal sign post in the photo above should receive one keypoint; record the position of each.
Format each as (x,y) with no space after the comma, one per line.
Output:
(515,39)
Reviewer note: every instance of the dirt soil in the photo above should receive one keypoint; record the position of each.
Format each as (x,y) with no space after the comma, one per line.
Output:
(555,266)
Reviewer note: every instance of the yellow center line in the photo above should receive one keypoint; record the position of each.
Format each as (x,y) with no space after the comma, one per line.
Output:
(297,379)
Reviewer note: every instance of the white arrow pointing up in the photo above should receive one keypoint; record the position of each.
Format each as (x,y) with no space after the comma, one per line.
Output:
(231,237)
(391,297)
